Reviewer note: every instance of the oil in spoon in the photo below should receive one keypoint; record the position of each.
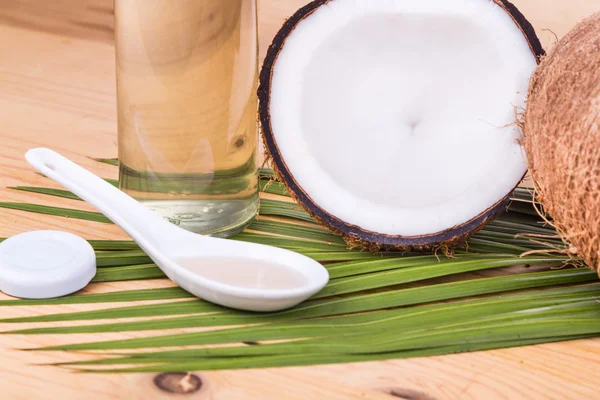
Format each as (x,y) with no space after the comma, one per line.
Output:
(246,273)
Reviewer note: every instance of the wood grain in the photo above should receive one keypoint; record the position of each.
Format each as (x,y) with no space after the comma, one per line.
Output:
(57,89)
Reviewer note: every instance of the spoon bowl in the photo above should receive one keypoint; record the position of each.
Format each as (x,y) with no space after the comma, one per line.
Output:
(172,248)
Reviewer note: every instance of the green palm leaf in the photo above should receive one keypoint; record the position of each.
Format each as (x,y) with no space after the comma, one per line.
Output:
(376,306)
(109,161)
(311,310)
(112,297)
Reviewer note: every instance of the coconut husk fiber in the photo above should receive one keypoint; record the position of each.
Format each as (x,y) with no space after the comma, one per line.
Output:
(562,137)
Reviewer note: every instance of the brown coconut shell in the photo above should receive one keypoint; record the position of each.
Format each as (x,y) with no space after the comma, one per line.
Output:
(562,137)
(354,235)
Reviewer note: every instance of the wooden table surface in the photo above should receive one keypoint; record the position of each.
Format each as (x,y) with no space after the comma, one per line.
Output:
(57,89)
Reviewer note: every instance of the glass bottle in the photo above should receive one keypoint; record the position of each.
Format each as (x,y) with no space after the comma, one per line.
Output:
(187,74)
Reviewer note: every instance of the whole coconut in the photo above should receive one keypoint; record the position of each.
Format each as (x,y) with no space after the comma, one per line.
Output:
(562,137)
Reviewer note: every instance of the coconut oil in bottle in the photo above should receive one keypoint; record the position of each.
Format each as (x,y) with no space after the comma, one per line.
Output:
(186,92)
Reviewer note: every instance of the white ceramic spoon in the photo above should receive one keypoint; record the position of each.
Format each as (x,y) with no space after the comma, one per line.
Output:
(165,243)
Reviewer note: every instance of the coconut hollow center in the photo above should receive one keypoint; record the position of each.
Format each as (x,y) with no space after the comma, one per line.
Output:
(400,92)
(407,116)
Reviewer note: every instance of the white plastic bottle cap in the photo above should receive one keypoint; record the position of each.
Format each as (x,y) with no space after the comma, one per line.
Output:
(45,264)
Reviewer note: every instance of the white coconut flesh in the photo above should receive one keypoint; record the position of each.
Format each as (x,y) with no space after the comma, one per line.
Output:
(397,116)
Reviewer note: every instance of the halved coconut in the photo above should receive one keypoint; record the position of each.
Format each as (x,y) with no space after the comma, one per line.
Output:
(393,121)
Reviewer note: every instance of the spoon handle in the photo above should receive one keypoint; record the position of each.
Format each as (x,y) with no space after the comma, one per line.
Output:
(143,225)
